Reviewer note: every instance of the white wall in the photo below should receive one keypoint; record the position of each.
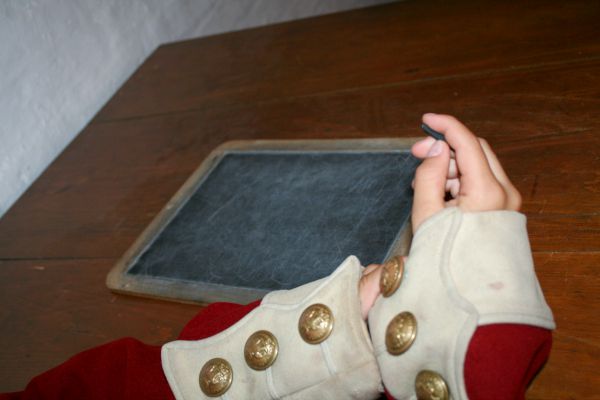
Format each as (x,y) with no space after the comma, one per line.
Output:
(61,60)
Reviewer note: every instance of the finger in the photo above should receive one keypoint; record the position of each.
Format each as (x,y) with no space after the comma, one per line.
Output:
(430,181)
(368,289)
(470,158)
(370,268)
(420,149)
(452,169)
(453,187)
(513,195)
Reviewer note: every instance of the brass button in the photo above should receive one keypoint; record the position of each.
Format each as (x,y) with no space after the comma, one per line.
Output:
(400,333)
(430,385)
(261,350)
(316,323)
(216,377)
(391,276)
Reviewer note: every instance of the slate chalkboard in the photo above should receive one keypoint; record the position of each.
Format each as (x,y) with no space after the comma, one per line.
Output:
(265,219)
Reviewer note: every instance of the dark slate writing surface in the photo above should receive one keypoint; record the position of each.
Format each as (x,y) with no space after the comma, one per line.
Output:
(279,219)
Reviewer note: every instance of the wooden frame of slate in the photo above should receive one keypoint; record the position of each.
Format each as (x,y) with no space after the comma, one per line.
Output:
(258,216)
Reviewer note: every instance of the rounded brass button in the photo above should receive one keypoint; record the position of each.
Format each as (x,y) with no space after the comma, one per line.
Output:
(216,377)
(430,385)
(391,276)
(400,333)
(261,350)
(315,323)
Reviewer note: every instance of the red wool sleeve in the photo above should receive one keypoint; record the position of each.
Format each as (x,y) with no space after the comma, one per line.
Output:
(125,369)
(502,359)
(215,318)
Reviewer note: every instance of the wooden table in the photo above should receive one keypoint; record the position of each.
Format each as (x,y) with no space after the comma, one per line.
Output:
(526,77)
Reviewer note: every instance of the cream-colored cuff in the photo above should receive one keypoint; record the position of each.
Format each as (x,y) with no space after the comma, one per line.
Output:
(341,366)
(463,270)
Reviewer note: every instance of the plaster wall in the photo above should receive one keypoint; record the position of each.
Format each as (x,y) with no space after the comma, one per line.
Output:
(61,60)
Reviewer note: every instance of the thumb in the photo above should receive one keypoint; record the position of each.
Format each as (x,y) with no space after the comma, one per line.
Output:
(430,183)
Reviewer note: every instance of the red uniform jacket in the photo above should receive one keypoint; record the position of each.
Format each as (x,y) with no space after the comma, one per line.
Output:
(500,363)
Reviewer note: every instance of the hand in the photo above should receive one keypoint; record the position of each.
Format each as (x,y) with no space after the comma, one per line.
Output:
(368,288)
(471,173)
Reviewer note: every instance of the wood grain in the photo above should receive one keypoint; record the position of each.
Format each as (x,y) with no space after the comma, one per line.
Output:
(377,46)
(54,309)
(547,133)
(526,77)
(571,284)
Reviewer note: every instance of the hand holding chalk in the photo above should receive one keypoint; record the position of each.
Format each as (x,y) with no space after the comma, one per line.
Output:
(473,175)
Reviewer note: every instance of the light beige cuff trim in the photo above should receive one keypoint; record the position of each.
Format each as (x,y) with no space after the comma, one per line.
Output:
(463,270)
(341,367)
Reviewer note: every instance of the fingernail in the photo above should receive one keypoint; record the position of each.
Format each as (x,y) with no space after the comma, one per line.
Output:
(436,149)
(429,114)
